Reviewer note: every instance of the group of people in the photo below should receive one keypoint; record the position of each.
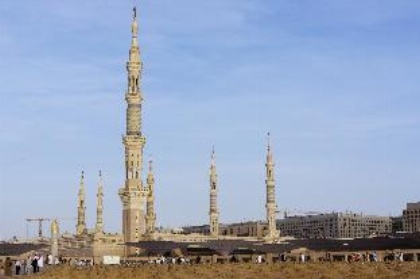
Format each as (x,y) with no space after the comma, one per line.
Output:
(365,257)
(33,264)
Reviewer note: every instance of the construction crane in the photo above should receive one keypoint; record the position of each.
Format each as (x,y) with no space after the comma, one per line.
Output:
(40,221)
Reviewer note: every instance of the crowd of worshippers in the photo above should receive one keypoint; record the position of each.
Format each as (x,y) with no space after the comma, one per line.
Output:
(198,260)
(37,262)
(32,264)
(373,257)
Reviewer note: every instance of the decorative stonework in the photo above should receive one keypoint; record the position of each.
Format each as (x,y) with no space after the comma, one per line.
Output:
(99,227)
(150,213)
(133,194)
(81,209)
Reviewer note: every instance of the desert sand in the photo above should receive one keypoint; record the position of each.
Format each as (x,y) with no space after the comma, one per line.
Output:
(409,270)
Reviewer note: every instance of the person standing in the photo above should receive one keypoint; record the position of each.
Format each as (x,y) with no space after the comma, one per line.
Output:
(40,263)
(24,267)
(34,264)
(28,262)
(18,265)
(50,259)
(8,267)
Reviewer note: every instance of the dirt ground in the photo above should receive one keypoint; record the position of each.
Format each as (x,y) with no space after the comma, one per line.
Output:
(409,270)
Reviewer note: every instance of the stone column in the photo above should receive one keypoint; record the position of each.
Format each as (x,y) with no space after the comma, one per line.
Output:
(55,231)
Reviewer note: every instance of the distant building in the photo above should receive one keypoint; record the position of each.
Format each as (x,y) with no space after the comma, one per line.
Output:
(201,229)
(335,225)
(246,229)
(397,224)
(411,217)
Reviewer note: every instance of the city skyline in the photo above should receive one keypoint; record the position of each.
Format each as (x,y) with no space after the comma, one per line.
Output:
(334,83)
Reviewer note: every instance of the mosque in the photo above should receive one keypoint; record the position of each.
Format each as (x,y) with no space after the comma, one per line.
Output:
(137,196)
(139,234)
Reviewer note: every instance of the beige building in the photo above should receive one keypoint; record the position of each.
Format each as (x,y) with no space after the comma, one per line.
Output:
(411,217)
(335,225)
(256,229)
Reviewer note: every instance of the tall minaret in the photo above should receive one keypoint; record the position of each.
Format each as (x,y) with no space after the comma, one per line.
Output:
(99,227)
(132,194)
(213,213)
(150,214)
(271,196)
(81,209)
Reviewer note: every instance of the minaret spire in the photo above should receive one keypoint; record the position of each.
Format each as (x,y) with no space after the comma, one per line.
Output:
(99,227)
(132,193)
(81,208)
(134,29)
(150,215)
(213,213)
(270,189)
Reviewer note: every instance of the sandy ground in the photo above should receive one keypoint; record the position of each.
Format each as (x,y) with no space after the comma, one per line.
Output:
(409,270)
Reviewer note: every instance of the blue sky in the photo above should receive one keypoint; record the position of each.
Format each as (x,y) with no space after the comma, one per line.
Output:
(336,82)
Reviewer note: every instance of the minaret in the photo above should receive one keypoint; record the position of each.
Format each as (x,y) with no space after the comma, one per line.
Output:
(132,194)
(150,215)
(213,213)
(99,227)
(81,209)
(271,196)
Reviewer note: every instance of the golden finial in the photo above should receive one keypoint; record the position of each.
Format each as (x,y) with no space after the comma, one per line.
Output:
(82,177)
(54,227)
(134,25)
(213,159)
(150,165)
(100,180)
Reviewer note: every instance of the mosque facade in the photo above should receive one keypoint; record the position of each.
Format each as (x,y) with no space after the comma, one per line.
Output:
(137,196)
